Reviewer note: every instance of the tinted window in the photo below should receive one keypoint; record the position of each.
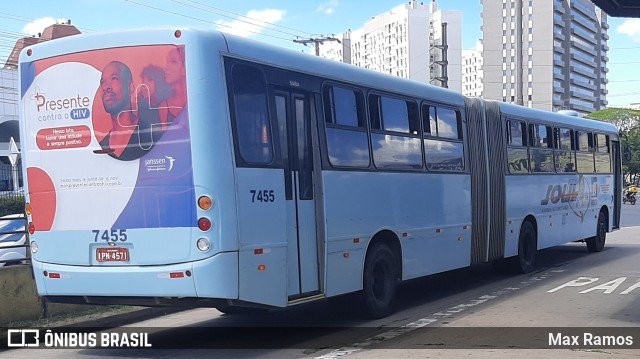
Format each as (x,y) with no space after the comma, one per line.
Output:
(540,136)
(541,160)
(516,133)
(347,148)
(253,130)
(584,140)
(343,106)
(395,116)
(448,123)
(518,160)
(564,136)
(444,155)
(602,143)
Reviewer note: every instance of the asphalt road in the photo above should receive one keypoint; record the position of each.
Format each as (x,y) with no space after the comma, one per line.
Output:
(630,215)
(472,311)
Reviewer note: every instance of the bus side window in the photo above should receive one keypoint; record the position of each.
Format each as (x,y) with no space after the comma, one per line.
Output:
(541,148)
(603,157)
(564,154)
(252,125)
(395,135)
(585,154)
(517,155)
(346,128)
(443,147)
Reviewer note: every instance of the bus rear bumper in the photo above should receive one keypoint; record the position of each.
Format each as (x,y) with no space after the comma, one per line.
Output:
(214,277)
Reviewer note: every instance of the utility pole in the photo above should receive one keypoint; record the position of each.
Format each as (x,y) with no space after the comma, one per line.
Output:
(317,41)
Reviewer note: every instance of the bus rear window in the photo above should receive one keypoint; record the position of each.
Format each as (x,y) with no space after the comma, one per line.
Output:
(252,128)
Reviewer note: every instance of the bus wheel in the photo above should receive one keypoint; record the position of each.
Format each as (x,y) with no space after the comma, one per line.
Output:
(380,280)
(527,248)
(596,243)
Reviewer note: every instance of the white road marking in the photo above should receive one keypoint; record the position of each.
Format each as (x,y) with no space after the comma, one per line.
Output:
(423,322)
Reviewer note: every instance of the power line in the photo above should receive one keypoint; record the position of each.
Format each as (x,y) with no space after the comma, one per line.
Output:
(203,20)
(239,17)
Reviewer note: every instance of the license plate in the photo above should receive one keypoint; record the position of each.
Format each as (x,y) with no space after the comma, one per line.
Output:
(117,254)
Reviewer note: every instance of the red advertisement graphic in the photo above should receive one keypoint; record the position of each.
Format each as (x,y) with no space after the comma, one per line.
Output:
(63,137)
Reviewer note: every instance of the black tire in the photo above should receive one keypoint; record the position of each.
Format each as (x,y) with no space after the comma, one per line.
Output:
(527,248)
(380,281)
(596,243)
(633,201)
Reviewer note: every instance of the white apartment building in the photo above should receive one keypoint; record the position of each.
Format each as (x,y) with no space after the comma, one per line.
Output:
(560,65)
(407,41)
(472,72)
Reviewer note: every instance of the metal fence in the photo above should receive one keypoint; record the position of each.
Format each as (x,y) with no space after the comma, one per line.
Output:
(10,177)
(14,240)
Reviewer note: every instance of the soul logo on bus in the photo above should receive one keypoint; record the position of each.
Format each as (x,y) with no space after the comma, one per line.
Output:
(575,195)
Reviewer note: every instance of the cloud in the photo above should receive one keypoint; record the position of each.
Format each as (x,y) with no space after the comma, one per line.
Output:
(630,27)
(328,7)
(253,24)
(37,26)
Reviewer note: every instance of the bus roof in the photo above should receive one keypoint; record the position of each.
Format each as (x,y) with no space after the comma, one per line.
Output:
(313,65)
(509,109)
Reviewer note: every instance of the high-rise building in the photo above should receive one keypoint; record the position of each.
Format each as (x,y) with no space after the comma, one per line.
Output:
(472,72)
(412,40)
(560,65)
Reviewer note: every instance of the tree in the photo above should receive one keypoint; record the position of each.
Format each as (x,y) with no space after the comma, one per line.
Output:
(628,122)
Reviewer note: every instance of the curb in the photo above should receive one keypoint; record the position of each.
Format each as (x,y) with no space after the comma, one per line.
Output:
(120,319)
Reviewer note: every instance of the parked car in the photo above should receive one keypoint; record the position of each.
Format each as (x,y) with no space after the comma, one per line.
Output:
(12,233)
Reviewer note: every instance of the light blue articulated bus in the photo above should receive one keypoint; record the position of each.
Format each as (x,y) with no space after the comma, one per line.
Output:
(189,167)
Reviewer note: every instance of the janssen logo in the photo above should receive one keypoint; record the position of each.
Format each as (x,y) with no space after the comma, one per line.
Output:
(159,164)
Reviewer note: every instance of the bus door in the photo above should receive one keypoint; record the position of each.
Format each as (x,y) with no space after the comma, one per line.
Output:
(294,124)
(617,174)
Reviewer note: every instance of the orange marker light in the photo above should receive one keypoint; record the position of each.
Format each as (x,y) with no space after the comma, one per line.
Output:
(205,203)
(262,267)
(176,275)
(27,208)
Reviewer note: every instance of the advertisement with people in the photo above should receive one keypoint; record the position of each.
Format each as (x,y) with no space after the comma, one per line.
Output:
(107,137)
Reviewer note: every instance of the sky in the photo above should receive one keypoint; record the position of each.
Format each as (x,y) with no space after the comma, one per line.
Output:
(288,19)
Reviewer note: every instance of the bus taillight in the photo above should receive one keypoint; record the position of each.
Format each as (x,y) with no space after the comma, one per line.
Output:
(205,203)
(204,224)
(32,228)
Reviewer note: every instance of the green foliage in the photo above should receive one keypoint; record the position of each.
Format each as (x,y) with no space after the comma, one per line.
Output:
(11,204)
(628,122)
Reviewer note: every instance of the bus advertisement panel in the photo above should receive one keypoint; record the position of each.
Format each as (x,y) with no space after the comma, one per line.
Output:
(108,140)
